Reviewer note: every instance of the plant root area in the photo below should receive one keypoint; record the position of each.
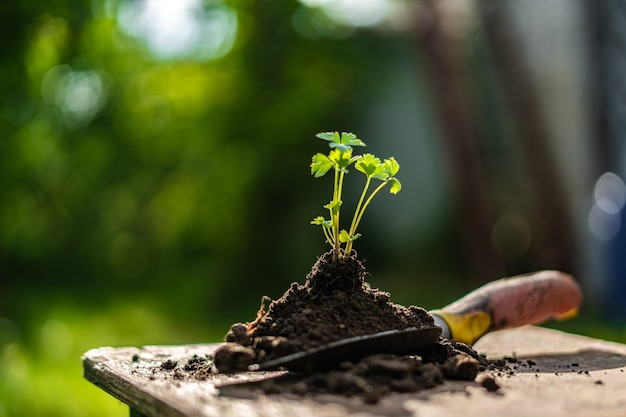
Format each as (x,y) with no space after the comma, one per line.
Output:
(337,303)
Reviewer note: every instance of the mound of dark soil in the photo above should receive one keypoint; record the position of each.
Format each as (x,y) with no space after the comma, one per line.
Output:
(336,303)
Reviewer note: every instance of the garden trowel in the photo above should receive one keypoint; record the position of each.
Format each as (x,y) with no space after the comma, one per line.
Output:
(500,304)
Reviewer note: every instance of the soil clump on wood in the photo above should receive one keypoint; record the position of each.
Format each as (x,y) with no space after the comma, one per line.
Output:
(337,303)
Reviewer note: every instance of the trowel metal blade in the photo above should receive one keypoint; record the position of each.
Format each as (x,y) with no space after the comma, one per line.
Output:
(407,341)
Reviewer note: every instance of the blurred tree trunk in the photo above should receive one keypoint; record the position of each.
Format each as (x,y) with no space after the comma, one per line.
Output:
(443,54)
(444,47)
(554,232)
(608,85)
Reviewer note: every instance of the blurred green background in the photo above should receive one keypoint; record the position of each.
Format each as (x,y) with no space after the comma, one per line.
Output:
(154,165)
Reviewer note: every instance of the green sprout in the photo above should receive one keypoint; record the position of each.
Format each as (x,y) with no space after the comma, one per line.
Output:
(339,159)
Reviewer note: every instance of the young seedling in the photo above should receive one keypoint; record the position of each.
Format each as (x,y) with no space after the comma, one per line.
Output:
(339,159)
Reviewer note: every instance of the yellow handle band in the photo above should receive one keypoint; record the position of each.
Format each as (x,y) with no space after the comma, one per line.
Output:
(466,328)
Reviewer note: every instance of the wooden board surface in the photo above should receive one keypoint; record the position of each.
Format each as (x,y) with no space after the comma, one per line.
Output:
(572,376)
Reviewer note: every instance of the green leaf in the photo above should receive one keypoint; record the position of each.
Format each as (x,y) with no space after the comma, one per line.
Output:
(369,165)
(329,136)
(391,166)
(342,159)
(334,140)
(350,139)
(341,147)
(346,142)
(344,237)
(320,165)
(343,141)
(395,186)
(381,174)
(319,220)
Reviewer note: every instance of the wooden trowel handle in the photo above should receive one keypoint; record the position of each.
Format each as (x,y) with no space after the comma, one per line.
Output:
(512,302)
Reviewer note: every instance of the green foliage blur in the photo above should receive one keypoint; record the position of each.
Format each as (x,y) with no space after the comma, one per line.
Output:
(151,193)
(155,184)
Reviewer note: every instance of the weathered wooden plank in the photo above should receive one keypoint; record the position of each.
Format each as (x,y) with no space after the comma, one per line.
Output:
(571,376)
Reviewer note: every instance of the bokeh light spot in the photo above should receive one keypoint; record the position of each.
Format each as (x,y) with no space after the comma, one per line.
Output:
(180,29)
(77,95)
(356,13)
(610,193)
(604,219)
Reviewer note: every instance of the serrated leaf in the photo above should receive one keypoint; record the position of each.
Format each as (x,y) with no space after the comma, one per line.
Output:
(320,165)
(350,139)
(341,147)
(396,186)
(344,141)
(369,165)
(342,159)
(391,166)
(329,136)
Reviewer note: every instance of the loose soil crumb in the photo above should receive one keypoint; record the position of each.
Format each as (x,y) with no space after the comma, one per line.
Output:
(489,383)
(196,368)
(336,303)
(168,365)
(200,367)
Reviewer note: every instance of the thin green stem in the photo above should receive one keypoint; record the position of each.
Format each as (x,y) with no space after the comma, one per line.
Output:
(354,223)
(358,206)
(369,200)
(333,211)
(360,214)
(336,183)
(328,236)
(339,193)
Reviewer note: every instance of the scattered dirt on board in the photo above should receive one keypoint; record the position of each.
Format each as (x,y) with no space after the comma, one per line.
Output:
(337,303)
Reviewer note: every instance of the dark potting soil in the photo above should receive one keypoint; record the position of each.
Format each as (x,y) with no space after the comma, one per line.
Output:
(336,303)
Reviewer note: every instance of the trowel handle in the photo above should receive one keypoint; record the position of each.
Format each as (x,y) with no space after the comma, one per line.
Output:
(511,302)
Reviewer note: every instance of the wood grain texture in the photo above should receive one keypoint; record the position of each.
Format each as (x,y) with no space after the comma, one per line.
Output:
(571,376)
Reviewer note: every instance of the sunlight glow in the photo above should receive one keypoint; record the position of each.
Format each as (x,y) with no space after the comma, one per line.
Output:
(356,13)
(180,29)
(604,219)
(77,95)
